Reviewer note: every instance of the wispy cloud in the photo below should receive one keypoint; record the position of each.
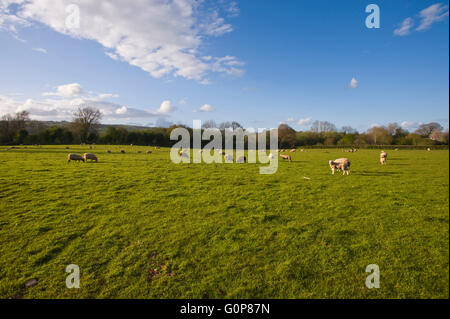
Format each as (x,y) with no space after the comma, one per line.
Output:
(434,13)
(104,96)
(42,50)
(304,121)
(427,17)
(404,27)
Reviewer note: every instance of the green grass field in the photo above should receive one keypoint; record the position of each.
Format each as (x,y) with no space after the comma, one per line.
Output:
(139,226)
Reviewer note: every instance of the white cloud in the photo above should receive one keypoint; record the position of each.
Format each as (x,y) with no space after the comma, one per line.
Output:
(165,108)
(304,121)
(408,125)
(103,96)
(60,105)
(405,27)
(233,9)
(42,50)
(353,84)
(63,109)
(162,38)
(206,108)
(122,110)
(290,120)
(66,90)
(432,14)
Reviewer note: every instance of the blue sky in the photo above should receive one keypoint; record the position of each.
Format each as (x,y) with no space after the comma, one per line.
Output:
(256,62)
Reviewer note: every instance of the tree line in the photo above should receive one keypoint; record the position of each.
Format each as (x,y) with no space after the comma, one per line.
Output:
(20,129)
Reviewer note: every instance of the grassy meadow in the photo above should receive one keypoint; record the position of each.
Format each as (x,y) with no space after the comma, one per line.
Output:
(139,226)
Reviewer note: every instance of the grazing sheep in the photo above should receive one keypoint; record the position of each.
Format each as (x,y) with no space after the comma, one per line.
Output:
(75,157)
(286,157)
(228,158)
(241,159)
(149,152)
(108,151)
(90,156)
(340,164)
(383,157)
(122,151)
(396,149)
(428,149)
(293,150)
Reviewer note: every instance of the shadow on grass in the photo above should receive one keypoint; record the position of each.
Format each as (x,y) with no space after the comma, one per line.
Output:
(368,173)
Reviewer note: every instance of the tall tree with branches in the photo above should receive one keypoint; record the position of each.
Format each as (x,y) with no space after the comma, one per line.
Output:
(85,121)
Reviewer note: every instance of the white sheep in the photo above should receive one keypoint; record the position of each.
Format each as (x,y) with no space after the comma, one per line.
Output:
(74,157)
(270,157)
(383,157)
(340,164)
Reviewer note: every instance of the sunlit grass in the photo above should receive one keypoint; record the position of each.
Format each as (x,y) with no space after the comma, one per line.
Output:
(140,226)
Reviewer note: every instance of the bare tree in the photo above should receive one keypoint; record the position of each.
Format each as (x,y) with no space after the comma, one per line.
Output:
(348,130)
(224,125)
(209,124)
(235,125)
(322,126)
(426,129)
(85,121)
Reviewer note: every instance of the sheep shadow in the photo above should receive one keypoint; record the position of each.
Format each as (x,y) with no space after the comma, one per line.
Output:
(369,173)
